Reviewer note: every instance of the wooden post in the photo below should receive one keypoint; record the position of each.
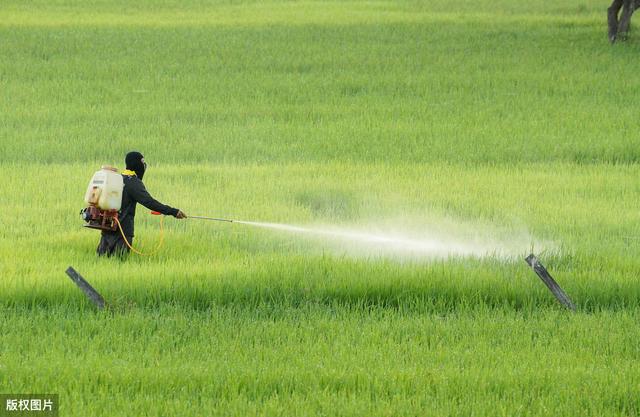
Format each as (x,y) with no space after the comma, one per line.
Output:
(553,286)
(86,288)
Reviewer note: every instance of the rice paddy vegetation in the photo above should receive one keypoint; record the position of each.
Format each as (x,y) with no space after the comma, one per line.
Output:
(514,120)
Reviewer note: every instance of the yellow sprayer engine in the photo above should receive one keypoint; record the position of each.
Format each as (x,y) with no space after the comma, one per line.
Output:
(103,199)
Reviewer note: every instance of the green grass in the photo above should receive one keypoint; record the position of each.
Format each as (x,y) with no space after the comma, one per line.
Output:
(317,360)
(387,84)
(491,118)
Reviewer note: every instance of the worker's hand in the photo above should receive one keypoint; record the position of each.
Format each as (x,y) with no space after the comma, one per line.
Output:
(181,215)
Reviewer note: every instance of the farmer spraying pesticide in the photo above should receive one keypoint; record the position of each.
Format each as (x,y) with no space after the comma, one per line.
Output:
(111,207)
(112,200)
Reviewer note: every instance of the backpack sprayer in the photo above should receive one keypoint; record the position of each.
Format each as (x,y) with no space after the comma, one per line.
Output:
(103,199)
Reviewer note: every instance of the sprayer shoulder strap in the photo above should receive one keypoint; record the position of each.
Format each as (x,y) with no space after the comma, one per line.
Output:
(125,209)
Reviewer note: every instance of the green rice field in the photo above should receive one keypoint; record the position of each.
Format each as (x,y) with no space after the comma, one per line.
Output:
(511,125)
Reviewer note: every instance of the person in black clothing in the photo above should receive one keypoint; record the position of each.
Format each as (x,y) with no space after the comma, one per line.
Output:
(134,192)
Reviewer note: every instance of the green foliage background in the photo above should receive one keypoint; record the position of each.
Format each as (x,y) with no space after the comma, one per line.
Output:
(507,116)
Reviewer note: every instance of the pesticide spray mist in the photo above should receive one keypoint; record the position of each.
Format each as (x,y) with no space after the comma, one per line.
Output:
(402,245)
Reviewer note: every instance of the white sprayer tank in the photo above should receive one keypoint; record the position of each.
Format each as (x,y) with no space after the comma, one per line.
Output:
(105,189)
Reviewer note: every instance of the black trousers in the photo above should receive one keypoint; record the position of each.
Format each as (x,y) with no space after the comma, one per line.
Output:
(112,243)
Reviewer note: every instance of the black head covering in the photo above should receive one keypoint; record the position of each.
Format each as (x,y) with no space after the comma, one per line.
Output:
(134,163)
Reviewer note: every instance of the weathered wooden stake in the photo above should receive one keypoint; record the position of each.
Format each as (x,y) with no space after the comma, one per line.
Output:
(86,288)
(553,286)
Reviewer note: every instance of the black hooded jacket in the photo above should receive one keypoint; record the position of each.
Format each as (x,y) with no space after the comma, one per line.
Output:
(135,192)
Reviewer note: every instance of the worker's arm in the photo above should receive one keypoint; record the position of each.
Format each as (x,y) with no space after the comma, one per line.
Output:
(139,193)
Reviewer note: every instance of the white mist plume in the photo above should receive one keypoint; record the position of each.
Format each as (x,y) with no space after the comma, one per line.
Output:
(430,245)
